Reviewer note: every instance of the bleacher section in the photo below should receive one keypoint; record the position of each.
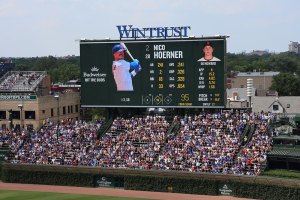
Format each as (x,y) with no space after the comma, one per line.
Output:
(210,143)
(253,156)
(204,143)
(135,142)
(25,81)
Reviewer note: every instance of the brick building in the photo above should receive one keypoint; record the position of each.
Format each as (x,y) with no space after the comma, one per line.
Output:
(26,101)
(262,81)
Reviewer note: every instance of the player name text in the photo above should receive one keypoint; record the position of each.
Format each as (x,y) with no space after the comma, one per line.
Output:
(161,53)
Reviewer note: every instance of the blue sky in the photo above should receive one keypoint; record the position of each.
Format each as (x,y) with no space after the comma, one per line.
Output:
(32,28)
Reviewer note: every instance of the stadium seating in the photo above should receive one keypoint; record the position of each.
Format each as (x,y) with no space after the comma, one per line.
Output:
(203,142)
(21,81)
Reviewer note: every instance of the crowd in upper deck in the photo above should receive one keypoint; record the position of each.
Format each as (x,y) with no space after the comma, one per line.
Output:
(19,80)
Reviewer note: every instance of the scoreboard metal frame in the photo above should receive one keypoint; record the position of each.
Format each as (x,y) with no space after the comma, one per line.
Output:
(172,74)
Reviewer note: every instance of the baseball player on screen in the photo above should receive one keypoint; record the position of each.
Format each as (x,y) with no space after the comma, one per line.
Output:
(122,70)
(208,53)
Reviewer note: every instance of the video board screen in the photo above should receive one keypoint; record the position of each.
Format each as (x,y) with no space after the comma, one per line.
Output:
(153,73)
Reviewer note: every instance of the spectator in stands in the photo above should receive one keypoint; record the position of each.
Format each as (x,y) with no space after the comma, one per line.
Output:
(204,143)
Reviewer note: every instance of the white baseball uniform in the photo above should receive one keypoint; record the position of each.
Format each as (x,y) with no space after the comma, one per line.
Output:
(122,76)
(213,59)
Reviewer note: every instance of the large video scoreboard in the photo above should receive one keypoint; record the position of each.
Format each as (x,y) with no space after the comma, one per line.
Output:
(173,74)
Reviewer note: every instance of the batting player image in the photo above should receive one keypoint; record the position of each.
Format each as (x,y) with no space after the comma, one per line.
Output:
(122,70)
(208,53)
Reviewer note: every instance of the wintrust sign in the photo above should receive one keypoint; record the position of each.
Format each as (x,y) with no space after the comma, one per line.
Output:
(128,31)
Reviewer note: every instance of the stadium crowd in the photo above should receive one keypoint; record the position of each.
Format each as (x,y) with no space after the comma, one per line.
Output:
(210,143)
(18,80)
(69,145)
(254,153)
(133,143)
(205,143)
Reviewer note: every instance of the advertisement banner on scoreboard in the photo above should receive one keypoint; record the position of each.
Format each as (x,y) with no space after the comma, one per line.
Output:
(153,73)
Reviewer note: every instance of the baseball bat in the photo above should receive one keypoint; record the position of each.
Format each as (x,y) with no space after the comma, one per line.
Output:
(128,52)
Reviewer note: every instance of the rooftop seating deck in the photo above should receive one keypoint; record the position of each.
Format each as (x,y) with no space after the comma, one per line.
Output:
(17,81)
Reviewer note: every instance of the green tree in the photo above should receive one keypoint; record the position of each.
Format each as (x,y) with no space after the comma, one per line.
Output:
(286,84)
(45,63)
(65,72)
(54,75)
(25,64)
(282,63)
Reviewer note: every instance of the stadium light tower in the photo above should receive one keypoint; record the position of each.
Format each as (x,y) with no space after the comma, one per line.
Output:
(56,96)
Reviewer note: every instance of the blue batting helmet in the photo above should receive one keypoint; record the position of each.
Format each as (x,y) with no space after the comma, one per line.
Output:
(117,48)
